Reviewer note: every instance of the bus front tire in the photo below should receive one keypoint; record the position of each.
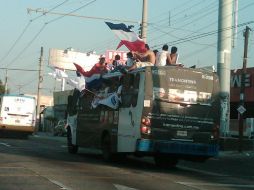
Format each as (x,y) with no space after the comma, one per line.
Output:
(165,161)
(73,149)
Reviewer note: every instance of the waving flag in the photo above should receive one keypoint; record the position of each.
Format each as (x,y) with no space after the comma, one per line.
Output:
(93,77)
(58,74)
(89,75)
(111,101)
(128,38)
(79,83)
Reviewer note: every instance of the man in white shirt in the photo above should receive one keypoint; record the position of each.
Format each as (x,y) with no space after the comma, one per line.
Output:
(161,57)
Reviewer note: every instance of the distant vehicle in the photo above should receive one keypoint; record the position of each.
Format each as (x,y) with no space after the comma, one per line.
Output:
(169,113)
(17,113)
(60,128)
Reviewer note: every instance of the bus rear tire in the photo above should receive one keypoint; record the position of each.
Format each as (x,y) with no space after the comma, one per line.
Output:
(165,161)
(73,149)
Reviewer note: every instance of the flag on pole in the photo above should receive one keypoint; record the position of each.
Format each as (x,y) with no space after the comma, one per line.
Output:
(93,77)
(111,101)
(89,75)
(128,38)
(79,84)
(58,74)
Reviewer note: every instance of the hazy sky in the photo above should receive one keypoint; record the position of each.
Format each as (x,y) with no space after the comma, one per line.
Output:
(172,22)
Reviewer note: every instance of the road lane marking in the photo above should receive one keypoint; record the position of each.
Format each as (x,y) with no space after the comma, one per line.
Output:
(5,144)
(122,187)
(190,184)
(203,171)
(62,186)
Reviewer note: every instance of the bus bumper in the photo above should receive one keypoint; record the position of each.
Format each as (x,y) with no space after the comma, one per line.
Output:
(177,147)
(27,129)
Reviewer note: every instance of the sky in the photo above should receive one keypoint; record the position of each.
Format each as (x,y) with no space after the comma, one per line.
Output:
(176,23)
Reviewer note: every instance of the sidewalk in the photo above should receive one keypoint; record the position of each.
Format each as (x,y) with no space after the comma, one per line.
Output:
(236,154)
(232,144)
(49,136)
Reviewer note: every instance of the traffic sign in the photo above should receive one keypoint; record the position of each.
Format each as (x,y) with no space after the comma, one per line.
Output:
(241,109)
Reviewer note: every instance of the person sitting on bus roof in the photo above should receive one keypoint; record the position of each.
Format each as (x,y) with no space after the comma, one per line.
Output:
(172,59)
(117,61)
(161,57)
(173,56)
(130,59)
(94,76)
(148,56)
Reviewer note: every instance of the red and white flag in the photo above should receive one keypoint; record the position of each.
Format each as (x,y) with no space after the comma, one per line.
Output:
(128,38)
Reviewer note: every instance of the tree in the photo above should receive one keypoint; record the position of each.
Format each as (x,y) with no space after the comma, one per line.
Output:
(2,88)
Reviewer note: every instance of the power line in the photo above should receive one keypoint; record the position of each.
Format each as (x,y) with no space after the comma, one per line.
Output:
(28,45)
(190,38)
(183,11)
(191,22)
(209,24)
(48,11)
(15,42)
(81,16)
(248,5)
(24,30)
(75,10)
(42,28)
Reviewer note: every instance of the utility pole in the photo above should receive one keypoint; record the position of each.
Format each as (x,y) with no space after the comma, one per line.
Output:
(6,82)
(144,22)
(39,89)
(241,109)
(224,61)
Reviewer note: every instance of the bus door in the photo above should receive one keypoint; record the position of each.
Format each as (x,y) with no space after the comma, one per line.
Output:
(129,113)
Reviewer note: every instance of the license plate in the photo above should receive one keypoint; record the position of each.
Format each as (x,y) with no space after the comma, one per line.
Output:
(181,133)
(17,121)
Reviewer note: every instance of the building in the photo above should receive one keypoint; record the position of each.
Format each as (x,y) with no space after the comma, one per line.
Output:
(235,84)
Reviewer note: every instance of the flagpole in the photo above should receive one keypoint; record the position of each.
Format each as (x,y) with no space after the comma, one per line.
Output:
(63,83)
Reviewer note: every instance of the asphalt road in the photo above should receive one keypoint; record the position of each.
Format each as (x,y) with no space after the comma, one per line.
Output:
(41,162)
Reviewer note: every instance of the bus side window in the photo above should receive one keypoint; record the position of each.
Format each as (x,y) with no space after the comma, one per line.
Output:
(135,90)
(85,102)
(127,90)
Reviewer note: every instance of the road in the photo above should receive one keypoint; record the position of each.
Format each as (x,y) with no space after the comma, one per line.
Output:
(42,162)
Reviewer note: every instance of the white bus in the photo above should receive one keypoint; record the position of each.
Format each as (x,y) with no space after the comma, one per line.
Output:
(17,113)
(168,112)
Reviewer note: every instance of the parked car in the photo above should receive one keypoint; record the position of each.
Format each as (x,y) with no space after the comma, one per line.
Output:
(60,128)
